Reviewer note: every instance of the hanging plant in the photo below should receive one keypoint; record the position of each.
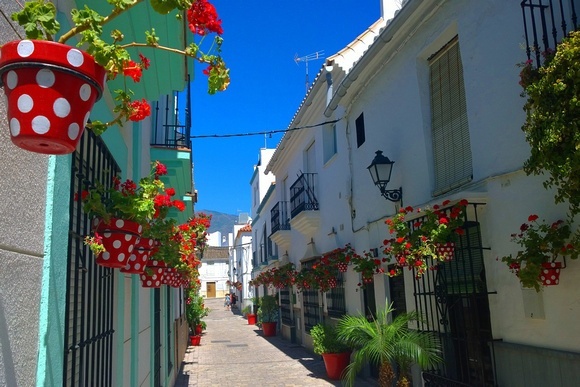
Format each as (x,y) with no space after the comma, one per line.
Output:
(51,87)
(552,125)
(541,244)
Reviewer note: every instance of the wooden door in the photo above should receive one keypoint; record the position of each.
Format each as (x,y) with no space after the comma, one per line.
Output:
(210,290)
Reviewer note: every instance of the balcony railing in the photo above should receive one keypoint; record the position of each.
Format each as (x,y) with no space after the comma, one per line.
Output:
(302,194)
(172,125)
(546,22)
(279,219)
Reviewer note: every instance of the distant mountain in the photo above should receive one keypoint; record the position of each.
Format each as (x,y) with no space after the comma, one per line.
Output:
(221,222)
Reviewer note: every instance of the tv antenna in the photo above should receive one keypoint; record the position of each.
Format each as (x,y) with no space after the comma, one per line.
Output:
(306,59)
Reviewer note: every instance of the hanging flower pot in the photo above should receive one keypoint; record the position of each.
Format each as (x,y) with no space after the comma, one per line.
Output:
(118,238)
(445,250)
(138,260)
(151,277)
(50,89)
(169,275)
(550,274)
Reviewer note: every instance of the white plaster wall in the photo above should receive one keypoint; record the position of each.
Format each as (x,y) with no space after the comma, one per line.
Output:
(395,102)
(23,179)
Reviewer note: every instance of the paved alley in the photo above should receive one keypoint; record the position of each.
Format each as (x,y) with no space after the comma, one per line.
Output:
(233,353)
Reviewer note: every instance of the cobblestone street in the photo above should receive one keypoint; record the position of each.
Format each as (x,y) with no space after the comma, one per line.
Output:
(233,353)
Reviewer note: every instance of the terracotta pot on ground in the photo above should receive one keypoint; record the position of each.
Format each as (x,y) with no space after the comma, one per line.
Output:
(335,364)
(251,319)
(195,340)
(269,329)
(119,239)
(50,89)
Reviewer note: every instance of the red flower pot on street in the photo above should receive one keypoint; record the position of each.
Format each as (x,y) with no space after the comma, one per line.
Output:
(51,89)
(269,329)
(195,340)
(335,364)
(251,319)
(119,238)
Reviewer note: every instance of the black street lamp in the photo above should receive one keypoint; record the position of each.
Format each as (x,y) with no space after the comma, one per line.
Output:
(380,169)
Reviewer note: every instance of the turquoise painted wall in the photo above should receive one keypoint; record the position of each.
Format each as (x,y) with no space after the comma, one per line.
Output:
(53,294)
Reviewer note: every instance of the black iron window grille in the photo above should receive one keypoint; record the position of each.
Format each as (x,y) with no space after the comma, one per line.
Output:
(286,306)
(397,295)
(156,338)
(169,330)
(279,219)
(310,302)
(171,128)
(546,22)
(335,299)
(453,302)
(88,339)
(302,194)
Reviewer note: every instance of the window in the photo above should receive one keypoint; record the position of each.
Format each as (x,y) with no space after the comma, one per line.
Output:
(285,305)
(329,141)
(360,130)
(335,300)
(88,320)
(310,302)
(449,127)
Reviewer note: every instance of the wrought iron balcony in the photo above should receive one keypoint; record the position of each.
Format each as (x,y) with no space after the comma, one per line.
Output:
(303,194)
(172,125)
(546,22)
(279,219)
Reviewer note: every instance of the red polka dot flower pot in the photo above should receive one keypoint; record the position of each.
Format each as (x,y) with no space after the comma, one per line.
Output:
(140,256)
(50,90)
(151,277)
(118,238)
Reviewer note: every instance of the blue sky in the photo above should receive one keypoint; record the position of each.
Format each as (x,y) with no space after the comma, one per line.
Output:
(261,39)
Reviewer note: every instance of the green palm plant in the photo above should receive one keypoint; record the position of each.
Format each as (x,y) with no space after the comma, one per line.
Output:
(385,343)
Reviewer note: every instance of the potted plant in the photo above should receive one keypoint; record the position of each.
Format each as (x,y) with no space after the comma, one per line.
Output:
(120,211)
(367,265)
(419,244)
(268,314)
(335,353)
(385,342)
(51,87)
(542,243)
(195,310)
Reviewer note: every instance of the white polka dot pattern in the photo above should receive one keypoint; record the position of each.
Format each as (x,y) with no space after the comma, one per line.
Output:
(151,278)
(48,108)
(25,48)
(118,242)
(550,274)
(138,260)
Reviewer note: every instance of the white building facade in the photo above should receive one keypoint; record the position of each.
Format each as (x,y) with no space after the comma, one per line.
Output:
(436,89)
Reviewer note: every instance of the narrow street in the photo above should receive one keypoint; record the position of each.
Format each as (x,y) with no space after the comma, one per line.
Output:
(233,353)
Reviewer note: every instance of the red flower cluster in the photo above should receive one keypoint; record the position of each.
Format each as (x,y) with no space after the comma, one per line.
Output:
(139,110)
(203,18)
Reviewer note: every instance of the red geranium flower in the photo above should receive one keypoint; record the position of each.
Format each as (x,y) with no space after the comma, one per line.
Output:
(139,110)
(133,70)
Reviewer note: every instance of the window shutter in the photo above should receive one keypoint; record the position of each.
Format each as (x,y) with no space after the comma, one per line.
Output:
(450,130)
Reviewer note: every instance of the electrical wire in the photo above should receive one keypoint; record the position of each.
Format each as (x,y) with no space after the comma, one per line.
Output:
(270,132)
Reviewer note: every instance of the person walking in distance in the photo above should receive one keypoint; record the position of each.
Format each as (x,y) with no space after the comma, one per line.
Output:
(227,302)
